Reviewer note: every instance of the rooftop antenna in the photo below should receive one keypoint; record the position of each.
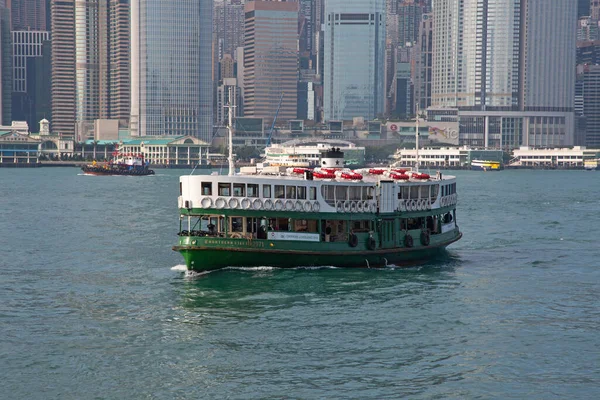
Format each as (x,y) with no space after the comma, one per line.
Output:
(230,131)
(417,137)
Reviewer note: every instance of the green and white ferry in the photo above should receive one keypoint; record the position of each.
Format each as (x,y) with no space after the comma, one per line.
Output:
(327,216)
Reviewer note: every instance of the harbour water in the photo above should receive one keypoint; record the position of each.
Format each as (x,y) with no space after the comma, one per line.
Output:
(94,303)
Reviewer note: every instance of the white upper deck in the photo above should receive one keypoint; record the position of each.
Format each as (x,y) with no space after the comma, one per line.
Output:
(342,190)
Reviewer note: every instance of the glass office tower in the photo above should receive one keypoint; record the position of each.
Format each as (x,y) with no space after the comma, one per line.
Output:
(354,58)
(171,68)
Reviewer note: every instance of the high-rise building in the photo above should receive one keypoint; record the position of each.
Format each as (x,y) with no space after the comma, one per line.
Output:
(90,64)
(28,50)
(101,63)
(423,59)
(271,60)
(228,26)
(5,65)
(595,9)
(354,59)
(583,8)
(589,102)
(63,66)
(29,15)
(171,68)
(494,56)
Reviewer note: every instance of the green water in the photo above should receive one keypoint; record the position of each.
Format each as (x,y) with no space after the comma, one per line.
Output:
(93,302)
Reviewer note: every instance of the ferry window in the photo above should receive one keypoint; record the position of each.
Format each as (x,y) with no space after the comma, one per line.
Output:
(180,189)
(354,192)
(424,189)
(290,192)
(341,192)
(267,191)
(370,193)
(312,193)
(237,224)
(360,226)
(224,189)
(414,192)
(239,189)
(252,190)
(405,192)
(206,188)
(434,192)
(327,191)
(282,224)
(301,191)
(279,192)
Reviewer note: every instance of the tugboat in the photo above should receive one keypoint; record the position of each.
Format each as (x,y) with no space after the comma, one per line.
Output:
(326,216)
(121,164)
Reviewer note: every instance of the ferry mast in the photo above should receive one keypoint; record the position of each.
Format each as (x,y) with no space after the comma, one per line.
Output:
(417,138)
(230,132)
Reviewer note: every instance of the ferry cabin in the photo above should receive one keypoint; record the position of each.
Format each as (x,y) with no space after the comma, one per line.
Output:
(282,220)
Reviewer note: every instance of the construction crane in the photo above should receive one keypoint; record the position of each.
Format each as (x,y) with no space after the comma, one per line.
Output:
(274,119)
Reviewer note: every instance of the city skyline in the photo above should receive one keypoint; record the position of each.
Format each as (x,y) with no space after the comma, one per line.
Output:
(164,69)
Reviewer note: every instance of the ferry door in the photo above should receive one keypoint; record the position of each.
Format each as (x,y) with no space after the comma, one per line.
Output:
(388,233)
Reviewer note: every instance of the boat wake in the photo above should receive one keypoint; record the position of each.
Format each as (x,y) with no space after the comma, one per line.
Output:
(180,267)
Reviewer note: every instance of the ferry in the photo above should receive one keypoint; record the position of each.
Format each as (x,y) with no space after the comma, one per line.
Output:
(326,216)
(121,164)
(591,164)
(486,165)
(305,153)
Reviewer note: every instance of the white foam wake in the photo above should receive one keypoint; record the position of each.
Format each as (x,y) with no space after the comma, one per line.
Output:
(180,267)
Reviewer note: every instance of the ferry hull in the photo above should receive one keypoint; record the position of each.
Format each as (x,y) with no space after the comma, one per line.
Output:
(88,170)
(203,258)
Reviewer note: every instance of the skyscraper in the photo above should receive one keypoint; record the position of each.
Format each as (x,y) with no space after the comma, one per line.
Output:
(28,50)
(228,26)
(271,59)
(583,8)
(63,66)
(491,57)
(29,15)
(354,59)
(5,65)
(171,68)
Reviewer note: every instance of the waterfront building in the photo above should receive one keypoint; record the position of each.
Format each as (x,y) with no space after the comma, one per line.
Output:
(573,157)
(18,148)
(493,62)
(171,68)
(354,55)
(271,60)
(448,157)
(179,151)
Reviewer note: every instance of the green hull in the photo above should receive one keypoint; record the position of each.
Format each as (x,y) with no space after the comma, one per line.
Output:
(206,254)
